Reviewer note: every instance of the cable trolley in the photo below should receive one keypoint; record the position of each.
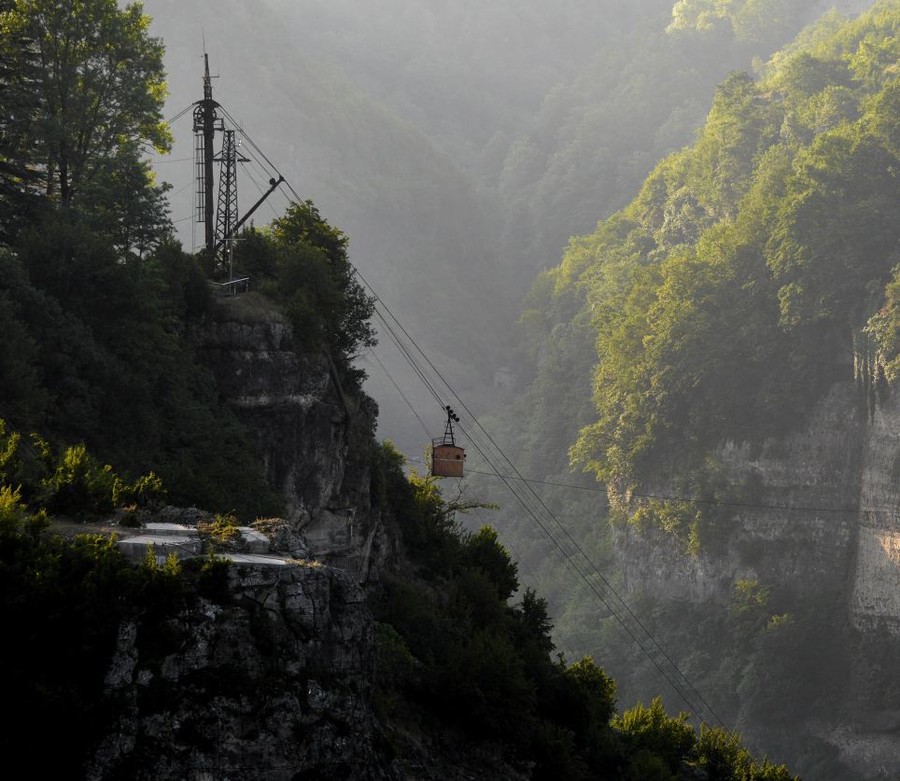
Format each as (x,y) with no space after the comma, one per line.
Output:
(447,458)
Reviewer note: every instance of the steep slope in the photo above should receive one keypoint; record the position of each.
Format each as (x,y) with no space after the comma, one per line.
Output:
(737,320)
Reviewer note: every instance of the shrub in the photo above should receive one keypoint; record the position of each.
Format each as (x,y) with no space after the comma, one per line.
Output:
(222,533)
(652,730)
(146,491)
(79,485)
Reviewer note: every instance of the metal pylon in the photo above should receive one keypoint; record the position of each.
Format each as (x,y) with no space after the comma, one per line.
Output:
(227,209)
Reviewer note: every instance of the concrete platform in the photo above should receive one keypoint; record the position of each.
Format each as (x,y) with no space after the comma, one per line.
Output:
(255,558)
(135,548)
(171,529)
(185,542)
(257,542)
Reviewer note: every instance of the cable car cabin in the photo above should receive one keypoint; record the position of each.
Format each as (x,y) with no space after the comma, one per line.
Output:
(447,458)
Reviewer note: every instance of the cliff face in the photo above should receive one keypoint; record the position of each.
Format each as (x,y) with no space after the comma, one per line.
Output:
(270,678)
(269,672)
(875,598)
(314,439)
(799,530)
(822,532)
(825,516)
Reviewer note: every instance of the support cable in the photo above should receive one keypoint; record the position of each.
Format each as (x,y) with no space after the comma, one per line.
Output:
(412,409)
(690,696)
(524,500)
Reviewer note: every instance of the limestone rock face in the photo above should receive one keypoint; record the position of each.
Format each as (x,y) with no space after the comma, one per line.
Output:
(269,671)
(798,531)
(825,517)
(270,679)
(823,532)
(314,438)
(876,587)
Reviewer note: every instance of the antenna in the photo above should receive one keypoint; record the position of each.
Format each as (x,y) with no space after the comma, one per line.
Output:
(206,123)
(220,227)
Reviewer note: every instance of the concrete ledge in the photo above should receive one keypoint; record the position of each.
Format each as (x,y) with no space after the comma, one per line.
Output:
(136,548)
(254,558)
(171,529)
(256,541)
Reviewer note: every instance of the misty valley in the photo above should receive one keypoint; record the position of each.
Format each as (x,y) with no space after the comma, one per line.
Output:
(417,390)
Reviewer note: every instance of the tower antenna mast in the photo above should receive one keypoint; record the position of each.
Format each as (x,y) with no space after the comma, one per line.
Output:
(220,229)
(206,123)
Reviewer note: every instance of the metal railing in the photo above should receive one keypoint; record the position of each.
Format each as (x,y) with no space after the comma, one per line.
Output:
(232,287)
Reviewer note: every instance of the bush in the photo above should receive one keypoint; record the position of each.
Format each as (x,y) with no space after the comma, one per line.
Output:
(79,485)
(652,730)
(146,491)
(222,533)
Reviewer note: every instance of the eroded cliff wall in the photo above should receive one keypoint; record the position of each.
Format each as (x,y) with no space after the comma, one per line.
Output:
(798,528)
(820,534)
(824,516)
(314,437)
(269,677)
(875,598)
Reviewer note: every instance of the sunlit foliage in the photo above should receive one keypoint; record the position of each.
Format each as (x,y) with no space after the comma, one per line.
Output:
(726,294)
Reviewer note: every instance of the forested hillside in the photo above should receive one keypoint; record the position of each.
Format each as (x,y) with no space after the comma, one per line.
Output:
(103,376)
(749,271)
(101,306)
(749,268)
(754,269)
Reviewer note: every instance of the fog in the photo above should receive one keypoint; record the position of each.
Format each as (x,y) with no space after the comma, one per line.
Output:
(458,145)
(461,146)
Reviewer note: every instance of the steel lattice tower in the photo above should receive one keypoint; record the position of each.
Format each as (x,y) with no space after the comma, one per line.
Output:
(227,208)
(221,225)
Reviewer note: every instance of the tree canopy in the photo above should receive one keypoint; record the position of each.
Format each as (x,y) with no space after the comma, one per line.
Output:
(302,262)
(86,82)
(726,296)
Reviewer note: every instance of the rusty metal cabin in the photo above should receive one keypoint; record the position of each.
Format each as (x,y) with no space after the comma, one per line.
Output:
(447,458)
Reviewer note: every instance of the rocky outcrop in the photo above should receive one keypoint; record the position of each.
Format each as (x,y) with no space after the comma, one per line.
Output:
(824,517)
(875,603)
(821,530)
(269,671)
(270,678)
(798,530)
(313,437)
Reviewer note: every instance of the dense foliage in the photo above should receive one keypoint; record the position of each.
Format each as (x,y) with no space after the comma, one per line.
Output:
(103,310)
(62,603)
(83,88)
(456,654)
(726,296)
(301,262)
(105,354)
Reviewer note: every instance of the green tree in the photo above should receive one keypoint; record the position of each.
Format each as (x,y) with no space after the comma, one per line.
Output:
(316,283)
(88,83)
(484,552)
(597,688)
(652,731)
